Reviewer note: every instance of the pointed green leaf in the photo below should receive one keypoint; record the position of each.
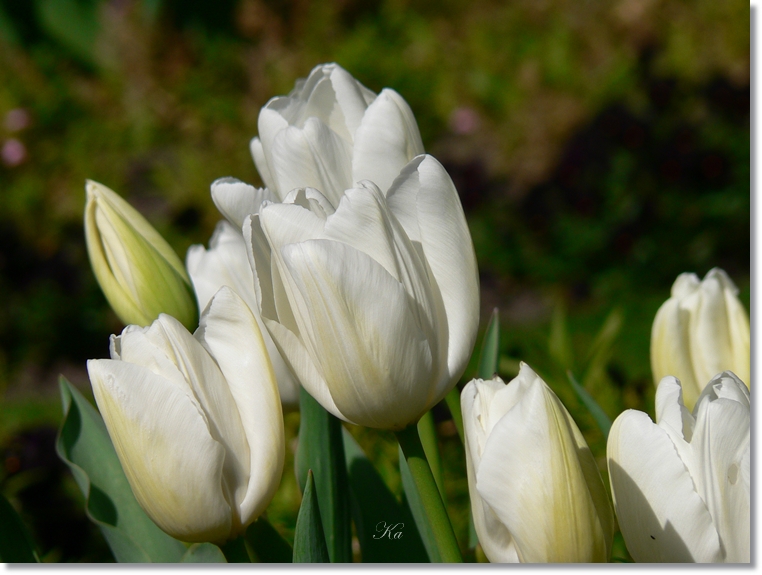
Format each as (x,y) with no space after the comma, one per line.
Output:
(321,449)
(374,509)
(309,538)
(16,545)
(267,544)
(203,553)
(84,445)
(490,352)
(601,419)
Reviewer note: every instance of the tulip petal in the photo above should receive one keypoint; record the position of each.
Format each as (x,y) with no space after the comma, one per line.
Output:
(231,334)
(235,199)
(721,444)
(386,140)
(362,342)
(426,203)
(662,517)
(352,98)
(542,495)
(260,161)
(161,437)
(313,156)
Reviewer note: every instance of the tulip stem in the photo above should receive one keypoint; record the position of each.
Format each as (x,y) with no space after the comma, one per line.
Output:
(235,551)
(434,507)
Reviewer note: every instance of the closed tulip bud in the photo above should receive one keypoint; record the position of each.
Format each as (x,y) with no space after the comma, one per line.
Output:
(373,303)
(331,132)
(139,273)
(681,486)
(700,331)
(195,419)
(225,263)
(536,492)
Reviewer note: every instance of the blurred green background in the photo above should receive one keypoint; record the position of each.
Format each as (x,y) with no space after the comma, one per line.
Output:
(600,149)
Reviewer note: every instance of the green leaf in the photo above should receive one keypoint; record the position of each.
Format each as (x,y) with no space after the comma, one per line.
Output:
(374,509)
(321,449)
(267,544)
(203,553)
(309,538)
(490,353)
(16,545)
(601,419)
(84,445)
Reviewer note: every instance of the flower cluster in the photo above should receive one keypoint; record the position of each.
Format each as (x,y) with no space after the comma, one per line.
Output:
(352,275)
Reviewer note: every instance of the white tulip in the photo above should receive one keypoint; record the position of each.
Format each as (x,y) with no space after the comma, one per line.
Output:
(536,492)
(681,485)
(226,263)
(331,132)
(139,273)
(700,331)
(374,303)
(195,419)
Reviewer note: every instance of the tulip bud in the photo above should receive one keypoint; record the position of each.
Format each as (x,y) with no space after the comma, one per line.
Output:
(700,331)
(681,486)
(331,132)
(139,273)
(374,304)
(536,492)
(225,263)
(195,419)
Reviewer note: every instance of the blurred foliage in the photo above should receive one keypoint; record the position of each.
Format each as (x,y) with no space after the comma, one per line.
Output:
(600,149)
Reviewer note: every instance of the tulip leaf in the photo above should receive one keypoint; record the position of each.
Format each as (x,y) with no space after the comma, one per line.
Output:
(377,514)
(203,553)
(601,419)
(16,545)
(267,544)
(489,355)
(309,537)
(321,449)
(84,445)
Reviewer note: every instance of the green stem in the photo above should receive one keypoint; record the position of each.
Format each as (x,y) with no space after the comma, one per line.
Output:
(433,505)
(427,431)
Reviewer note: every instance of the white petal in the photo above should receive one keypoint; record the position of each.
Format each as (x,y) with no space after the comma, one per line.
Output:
(721,444)
(387,139)
(235,200)
(225,263)
(356,321)
(426,203)
(171,461)
(231,334)
(260,161)
(494,537)
(312,157)
(661,516)
(352,98)
(675,419)
(534,474)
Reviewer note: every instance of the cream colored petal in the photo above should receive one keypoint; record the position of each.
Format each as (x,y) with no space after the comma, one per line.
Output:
(171,461)
(386,140)
(261,163)
(231,334)
(531,474)
(721,442)
(235,199)
(357,323)
(426,203)
(661,516)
